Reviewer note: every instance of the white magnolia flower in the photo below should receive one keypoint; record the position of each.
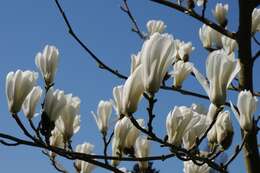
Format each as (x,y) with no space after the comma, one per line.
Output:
(82,166)
(142,150)
(56,140)
(256,20)
(127,97)
(229,45)
(220,13)
(47,63)
(135,61)
(246,105)
(103,115)
(190,167)
(31,101)
(205,36)
(224,129)
(69,120)
(17,87)
(121,130)
(157,55)
(209,37)
(54,103)
(198,125)
(118,99)
(133,134)
(177,123)
(132,92)
(154,26)
(221,69)
(180,72)
(184,50)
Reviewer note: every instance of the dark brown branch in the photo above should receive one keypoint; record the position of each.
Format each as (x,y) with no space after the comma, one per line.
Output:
(67,154)
(84,46)
(135,28)
(20,124)
(151,116)
(256,41)
(256,56)
(196,16)
(237,151)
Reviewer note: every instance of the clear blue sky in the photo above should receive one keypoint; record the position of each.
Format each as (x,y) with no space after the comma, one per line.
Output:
(28,25)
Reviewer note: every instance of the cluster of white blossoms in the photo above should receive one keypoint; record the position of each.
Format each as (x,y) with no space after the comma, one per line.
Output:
(149,67)
(60,109)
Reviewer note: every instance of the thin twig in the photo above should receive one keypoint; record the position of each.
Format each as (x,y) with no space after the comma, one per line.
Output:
(196,16)
(237,151)
(256,41)
(135,28)
(84,46)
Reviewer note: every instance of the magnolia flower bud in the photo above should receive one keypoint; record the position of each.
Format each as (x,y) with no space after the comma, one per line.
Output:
(142,150)
(229,45)
(256,20)
(104,111)
(121,131)
(157,55)
(246,104)
(135,61)
(190,167)
(31,101)
(128,96)
(133,134)
(154,26)
(224,129)
(209,37)
(68,122)
(197,127)
(176,124)
(220,13)
(17,87)
(221,69)
(118,97)
(180,72)
(82,166)
(132,92)
(56,140)
(47,63)
(54,103)
(184,50)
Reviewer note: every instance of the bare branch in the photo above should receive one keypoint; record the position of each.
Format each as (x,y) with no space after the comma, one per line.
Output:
(196,16)
(55,163)
(84,46)
(135,28)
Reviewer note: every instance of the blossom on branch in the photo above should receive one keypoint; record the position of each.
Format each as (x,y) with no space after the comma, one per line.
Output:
(30,102)
(221,69)
(142,150)
(18,85)
(246,104)
(68,122)
(80,165)
(47,63)
(154,26)
(256,20)
(157,54)
(103,115)
(220,13)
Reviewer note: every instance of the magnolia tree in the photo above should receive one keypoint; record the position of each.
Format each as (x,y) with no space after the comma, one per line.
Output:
(229,66)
